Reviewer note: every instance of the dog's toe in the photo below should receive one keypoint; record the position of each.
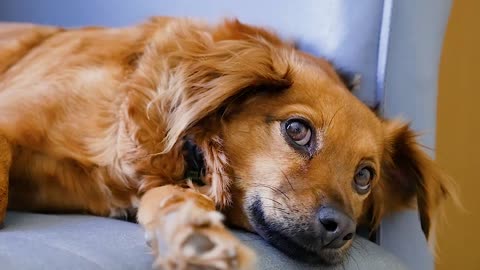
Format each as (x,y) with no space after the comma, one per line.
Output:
(196,244)
(210,248)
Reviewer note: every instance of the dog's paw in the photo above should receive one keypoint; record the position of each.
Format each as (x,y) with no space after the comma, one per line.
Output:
(192,238)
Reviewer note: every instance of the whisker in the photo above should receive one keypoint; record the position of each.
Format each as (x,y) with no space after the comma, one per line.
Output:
(331,119)
(272,200)
(272,188)
(426,147)
(288,180)
(284,211)
(277,207)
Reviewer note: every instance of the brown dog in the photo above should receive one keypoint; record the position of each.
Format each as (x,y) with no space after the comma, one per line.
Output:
(104,121)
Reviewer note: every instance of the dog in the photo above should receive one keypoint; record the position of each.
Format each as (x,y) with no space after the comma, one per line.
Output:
(184,124)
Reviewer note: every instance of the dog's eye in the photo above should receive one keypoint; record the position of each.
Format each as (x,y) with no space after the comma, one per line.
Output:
(299,132)
(363,179)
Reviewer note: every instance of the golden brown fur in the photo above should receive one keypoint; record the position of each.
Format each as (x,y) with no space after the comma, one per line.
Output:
(96,117)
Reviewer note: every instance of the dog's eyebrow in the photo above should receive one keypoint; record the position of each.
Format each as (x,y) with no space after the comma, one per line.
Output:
(369,158)
(270,118)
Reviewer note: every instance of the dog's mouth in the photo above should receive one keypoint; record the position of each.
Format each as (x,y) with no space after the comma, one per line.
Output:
(288,245)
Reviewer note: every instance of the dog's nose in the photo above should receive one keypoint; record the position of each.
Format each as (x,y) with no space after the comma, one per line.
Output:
(338,227)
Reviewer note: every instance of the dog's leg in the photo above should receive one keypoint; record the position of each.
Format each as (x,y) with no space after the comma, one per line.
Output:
(186,232)
(5,162)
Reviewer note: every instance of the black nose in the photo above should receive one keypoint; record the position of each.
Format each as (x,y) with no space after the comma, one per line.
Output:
(337,227)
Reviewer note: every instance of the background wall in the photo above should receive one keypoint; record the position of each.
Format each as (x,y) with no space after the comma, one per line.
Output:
(458,131)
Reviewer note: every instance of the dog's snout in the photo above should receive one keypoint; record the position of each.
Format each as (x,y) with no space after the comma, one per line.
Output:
(337,227)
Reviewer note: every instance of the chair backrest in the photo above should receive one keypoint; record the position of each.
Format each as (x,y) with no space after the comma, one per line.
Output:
(394,45)
(411,44)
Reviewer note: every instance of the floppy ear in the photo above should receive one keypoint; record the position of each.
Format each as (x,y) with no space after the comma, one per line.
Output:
(409,173)
(206,72)
(215,68)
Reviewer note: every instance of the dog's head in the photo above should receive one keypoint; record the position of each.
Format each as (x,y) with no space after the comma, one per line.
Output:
(290,152)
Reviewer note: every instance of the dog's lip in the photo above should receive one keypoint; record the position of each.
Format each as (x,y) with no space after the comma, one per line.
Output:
(298,251)
(289,246)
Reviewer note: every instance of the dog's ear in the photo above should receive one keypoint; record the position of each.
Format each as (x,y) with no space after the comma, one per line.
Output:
(212,69)
(351,80)
(206,72)
(409,173)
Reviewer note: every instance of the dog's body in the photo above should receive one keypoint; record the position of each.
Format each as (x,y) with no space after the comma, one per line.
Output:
(76,121)
(95,120)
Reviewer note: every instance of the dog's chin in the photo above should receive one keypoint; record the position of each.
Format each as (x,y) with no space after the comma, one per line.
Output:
(288,245)
(323,256)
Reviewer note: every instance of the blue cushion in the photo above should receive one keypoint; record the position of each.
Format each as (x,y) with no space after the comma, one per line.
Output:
(38,241)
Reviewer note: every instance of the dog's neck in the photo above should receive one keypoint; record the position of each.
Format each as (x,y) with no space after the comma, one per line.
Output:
(194,160)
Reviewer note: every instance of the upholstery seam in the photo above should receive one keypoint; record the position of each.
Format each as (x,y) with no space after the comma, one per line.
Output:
(382,54)
(382,59)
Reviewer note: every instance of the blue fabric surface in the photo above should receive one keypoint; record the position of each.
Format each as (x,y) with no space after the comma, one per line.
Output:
(75,242)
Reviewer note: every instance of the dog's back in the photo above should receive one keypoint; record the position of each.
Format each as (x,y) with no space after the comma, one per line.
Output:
(17,40)
(60,91)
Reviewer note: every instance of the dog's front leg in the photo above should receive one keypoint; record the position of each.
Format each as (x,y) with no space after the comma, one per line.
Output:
(186,232)
(5,162)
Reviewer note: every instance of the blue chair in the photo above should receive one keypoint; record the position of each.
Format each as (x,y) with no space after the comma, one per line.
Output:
(394,45)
